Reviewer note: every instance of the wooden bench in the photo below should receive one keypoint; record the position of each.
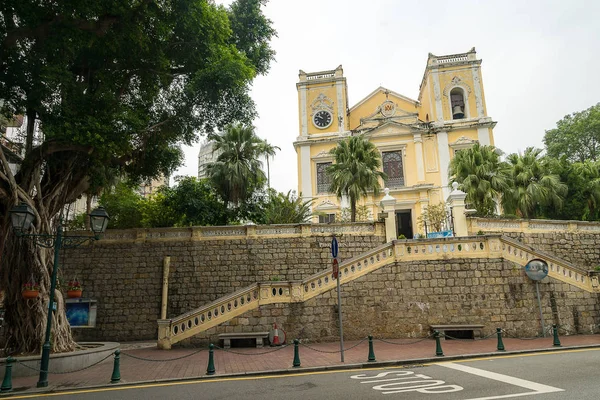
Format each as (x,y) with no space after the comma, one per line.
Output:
(259,336)
(458,327)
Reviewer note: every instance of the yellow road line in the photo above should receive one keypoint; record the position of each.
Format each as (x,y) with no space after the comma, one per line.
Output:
(248,378)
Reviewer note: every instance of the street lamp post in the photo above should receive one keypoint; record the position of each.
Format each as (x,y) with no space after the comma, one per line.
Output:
(21,218)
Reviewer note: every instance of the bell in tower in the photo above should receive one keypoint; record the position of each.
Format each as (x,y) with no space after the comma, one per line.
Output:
(457,112)
(458,103)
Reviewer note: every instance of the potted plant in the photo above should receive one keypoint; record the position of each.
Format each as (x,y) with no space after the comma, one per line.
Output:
(74,289)
(30,290)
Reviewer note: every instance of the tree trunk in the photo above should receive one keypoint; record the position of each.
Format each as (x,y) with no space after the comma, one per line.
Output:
(25,319)
(352,209)
(88,210)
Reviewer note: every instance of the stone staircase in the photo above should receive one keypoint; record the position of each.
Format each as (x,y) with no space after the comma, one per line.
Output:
(171,331)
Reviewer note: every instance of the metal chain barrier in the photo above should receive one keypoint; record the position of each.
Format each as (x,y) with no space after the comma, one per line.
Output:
(65,372)
(469,340)
(409,343)
(333,352)
(166,359)
(508,335)
(251,354)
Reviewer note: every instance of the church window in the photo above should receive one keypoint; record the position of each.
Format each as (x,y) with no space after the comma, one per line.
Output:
(457,100)
(392,166)
(323,179)
(327,219)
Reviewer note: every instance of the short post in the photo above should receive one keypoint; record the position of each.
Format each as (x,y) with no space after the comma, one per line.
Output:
(371,352)
(556,339)
(211,360)
(438,345)
(7,381)
(116,374)
(500,344)
(296,362)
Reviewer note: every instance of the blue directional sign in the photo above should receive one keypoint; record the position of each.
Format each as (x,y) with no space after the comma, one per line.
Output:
(334,248)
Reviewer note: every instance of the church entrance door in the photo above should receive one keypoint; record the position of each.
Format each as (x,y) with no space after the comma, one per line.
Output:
(404,223)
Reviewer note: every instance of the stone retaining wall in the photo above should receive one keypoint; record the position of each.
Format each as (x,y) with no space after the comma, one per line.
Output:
(125,275)
(402,300)
(575,241)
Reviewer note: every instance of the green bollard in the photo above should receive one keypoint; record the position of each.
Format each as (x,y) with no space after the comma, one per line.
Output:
(7,382)
(500,344)
(556,339)
(371,352)
(211,360)
(438,345)
(116,375)
(296,362)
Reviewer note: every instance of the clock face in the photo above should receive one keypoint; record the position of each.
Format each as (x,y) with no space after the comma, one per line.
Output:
(322,119)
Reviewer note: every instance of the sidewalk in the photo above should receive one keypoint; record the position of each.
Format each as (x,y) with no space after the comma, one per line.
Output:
(189,363)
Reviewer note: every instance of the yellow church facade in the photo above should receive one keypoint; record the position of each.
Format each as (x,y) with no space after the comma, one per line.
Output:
(416,138)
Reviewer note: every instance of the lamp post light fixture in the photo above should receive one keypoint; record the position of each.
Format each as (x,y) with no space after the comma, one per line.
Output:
(21,218)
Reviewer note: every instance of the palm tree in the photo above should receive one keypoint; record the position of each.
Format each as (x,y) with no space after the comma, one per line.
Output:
(481,175)
(268,151)
(533,185)
(355,170)
(237,172)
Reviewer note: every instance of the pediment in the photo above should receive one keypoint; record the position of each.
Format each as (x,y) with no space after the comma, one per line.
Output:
(326,205)
(391,128)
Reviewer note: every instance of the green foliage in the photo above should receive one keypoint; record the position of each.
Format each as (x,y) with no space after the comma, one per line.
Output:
(363,214)
(435,216)
(237,173)
(401,236)
(192,202)
(77,223)
(121,85)
(280,208)
(582,201)
(481,175)
(480,233)
(124,205)
(576,136)
(355,171)
(533,187)
(597,268)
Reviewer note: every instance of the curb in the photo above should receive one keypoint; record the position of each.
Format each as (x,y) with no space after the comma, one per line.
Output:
(291,371)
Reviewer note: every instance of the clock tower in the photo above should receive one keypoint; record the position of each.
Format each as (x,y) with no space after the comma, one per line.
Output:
(323,112)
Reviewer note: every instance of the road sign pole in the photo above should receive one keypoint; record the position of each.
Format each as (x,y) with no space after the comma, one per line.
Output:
(537,289)
(339,296)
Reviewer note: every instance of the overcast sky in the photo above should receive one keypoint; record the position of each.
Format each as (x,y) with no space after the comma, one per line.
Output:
(541,61)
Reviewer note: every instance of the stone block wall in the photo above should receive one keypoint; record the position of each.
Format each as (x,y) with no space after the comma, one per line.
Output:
(402,300)
(125,277)
(579,248)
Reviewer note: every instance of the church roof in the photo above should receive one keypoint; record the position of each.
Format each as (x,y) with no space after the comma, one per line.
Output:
(381,89)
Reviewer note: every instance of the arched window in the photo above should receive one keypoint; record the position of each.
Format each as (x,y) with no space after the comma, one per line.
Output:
(457,103)
(392,166)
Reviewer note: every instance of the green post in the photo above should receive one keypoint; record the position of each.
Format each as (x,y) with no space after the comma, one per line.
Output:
(44,364)
(556,339)
(371,352)
(438,345)
(211,360)
(116,375)
(7,382)
(500,344)
(296,362)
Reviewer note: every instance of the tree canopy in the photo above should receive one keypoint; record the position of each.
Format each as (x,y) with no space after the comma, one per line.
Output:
(110,88)
(356,170)
(576,136)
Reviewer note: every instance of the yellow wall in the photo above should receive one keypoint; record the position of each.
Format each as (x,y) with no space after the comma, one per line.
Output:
(405,131)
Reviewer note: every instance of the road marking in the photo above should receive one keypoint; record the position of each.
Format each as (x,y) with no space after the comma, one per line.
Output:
(537,388)
(407,383)
(140,386)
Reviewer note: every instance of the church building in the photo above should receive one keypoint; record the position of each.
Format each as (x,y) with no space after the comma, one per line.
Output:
(416,138)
